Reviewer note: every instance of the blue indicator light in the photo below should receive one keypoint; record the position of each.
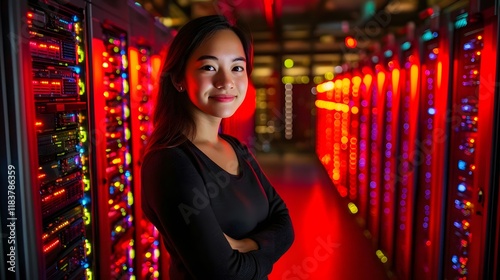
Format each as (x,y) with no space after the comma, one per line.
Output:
(427,35)
(84,201)
(462,165)
(461,20)
(406,46)
(468,46)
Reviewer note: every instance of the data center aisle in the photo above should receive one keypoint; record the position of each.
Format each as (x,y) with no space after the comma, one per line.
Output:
(329,244)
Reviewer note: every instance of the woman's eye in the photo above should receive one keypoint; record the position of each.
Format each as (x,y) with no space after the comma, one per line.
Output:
(208,68)
(239,68)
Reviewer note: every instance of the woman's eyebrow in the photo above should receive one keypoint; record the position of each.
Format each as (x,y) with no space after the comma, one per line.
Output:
(211,57)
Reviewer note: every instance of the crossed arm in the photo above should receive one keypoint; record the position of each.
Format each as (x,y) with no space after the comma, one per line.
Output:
(192,232)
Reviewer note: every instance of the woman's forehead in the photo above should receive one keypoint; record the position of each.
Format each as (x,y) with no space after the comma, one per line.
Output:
(220,42)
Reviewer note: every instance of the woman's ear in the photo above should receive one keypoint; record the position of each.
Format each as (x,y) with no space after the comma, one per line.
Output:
(177,85)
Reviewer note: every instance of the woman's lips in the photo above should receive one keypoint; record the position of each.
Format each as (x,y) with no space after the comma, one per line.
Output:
(223,98)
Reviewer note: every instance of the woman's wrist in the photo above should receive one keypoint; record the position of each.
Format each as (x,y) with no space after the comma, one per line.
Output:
(249,245)
(243,245)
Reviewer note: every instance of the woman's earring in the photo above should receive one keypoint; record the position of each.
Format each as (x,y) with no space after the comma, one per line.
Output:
(181,89)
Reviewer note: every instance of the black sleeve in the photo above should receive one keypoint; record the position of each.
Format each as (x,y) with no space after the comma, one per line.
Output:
(276,234)
(175,200)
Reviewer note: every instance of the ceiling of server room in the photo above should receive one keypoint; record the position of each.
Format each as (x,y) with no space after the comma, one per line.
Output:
(311,32)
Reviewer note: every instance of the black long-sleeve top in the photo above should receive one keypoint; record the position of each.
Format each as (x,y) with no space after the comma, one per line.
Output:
(192,201)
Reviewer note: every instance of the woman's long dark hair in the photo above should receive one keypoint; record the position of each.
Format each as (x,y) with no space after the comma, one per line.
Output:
(172,116)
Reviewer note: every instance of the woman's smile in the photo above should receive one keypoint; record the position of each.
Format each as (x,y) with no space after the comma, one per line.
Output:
(223,98)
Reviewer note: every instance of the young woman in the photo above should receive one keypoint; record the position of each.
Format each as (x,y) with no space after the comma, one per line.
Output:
(219,216)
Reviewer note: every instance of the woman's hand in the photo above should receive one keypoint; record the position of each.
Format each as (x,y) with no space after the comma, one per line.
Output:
(244,245)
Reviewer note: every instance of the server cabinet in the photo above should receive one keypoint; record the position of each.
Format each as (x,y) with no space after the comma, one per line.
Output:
(493,238)
(404,180)
(342,98)
(148,41)
(375,147)
(72,121)
(49,81)
(365,116)
(333,108)
(324,125)
(163,37)
(431,149)
(112,147)
(341,87)
(21,222)
(469,174)
(328,148)
(141,40)
(389,132)
(353,102)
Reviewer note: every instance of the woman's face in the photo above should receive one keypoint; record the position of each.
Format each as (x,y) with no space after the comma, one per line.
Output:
(216,76)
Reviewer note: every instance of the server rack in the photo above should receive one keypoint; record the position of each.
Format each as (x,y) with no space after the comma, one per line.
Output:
(341,87)
(56,40)
(354,103)
(343,97)
(65,84)
(112,147)
(404,180)
(18,125)
(76,133)
(471,117)
(431,152)
(447,191)
(375,146)
(333,104)
(147,43)
(493,238)
(365,116)
(389,132)
(140,52)
(49,84)
(324,137)
(162,38)
(327,106)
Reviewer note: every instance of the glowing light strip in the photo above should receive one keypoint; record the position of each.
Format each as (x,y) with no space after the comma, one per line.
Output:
(332,106)
(414,80)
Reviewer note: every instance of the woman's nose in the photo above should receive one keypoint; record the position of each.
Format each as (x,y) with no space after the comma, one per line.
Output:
(224,80)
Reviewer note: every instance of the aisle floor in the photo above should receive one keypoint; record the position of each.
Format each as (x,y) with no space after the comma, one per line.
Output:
(329,243)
